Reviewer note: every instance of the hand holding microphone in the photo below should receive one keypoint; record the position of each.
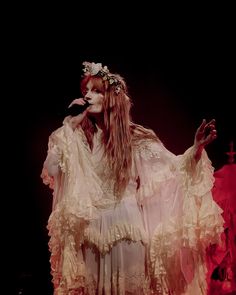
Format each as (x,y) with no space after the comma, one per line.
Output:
(77,106)
(77,109)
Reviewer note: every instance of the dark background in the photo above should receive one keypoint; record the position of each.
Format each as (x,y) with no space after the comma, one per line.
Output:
(180,68)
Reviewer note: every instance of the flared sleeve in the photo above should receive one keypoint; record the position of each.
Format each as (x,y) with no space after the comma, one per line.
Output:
(69,172)
(180,215)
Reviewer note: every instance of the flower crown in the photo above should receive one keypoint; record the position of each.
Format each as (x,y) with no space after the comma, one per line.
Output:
(96,69)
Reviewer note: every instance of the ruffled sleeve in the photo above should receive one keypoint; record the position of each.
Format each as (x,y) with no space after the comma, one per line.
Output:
(76,190)
(52,163)
(154,167)
(205,217)
(180,214)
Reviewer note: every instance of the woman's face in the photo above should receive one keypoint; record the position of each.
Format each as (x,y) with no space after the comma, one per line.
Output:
(94,96)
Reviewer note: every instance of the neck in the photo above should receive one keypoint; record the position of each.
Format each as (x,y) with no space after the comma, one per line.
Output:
(98,119)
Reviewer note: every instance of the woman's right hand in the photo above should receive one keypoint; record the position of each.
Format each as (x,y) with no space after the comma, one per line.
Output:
(74,121)
(79,101)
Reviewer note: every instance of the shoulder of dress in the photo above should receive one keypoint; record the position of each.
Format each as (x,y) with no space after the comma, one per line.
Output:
(58,134)
(148,148)
(146,143)
(57,131)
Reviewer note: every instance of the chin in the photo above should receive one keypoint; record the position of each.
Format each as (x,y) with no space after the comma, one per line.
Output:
(95,111)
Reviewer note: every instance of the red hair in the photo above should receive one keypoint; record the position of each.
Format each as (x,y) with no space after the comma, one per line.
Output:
(120,132)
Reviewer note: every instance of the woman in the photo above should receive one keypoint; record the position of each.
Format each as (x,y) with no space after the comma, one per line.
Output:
(128,217)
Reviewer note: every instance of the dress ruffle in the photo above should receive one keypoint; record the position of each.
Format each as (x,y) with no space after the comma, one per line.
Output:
(73,206)
(177,248)
(116,233)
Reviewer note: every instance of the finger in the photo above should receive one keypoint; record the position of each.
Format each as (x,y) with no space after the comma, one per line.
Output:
(202,126)
(71,104)
(211,123)
(209,127)
(79,101)
(213,133)
(212,136)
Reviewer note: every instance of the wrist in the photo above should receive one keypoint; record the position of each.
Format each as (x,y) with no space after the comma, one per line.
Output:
(198,152)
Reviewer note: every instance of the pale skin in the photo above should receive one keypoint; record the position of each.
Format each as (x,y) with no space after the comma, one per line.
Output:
(95,98)
(204,135)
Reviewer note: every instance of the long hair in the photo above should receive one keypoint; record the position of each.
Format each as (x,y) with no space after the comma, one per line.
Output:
(120,132)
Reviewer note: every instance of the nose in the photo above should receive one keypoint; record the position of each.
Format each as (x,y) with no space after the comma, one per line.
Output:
(87,96)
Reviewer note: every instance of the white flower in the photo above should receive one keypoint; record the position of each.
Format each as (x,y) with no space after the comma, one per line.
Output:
(105,69)
(95,68)
(92,68)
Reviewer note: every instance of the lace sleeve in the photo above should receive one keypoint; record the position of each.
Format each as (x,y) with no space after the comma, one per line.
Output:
(148,150)
(55,160)
(180,214)
(154,165)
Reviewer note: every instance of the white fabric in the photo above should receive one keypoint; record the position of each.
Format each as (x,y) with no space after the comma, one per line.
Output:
(152,241)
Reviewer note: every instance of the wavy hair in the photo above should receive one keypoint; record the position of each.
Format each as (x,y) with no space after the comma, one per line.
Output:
(120,132)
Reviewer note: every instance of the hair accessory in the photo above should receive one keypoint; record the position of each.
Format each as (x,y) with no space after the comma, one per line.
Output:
(96,69)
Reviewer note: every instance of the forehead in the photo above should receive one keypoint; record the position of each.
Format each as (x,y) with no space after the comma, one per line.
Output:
(95,82)
(90,84)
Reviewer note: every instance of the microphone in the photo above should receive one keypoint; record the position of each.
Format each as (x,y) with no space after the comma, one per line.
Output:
(77,109)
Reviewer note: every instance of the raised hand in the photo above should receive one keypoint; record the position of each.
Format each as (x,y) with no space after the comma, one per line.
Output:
(205,134)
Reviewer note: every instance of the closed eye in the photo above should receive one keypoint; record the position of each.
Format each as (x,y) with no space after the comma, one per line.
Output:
(97,90)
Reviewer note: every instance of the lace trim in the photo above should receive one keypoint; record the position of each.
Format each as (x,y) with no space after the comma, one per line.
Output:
(197,177)
(154,166)
(80,286)
(116,233)
(200,225)
(148,150)
(120,283)
(189,233)
(125,283)
(67,232)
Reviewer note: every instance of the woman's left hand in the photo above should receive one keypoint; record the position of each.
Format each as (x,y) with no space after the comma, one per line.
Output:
(205,134)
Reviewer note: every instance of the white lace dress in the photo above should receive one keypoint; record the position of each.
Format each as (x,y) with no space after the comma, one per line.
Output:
(152,241)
